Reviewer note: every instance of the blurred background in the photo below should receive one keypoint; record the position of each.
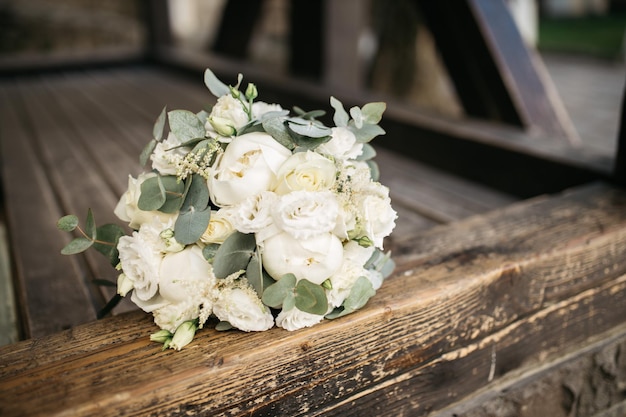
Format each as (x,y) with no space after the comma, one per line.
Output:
(581,42)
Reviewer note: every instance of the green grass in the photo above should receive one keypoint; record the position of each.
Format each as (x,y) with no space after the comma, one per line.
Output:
(598,36)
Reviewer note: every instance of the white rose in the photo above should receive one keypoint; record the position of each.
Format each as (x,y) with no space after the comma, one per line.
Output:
(243,309)
(314,259)
(295,319)
(259,108)
(308,171)
(342,144)
(140,261)
(219,228)
(304,214)
(228,115)
(166,153)
(126,208)
(247,167)
(377,218)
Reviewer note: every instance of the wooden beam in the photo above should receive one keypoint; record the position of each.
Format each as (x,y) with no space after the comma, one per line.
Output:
(496,75)
(524,284)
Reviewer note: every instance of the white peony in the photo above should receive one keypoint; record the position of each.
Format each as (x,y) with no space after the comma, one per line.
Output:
(308,171)
(314,259)
(342,145)
(247,167)
(126,208)
(186,275)
(242,308)
(295,319)
(304,214)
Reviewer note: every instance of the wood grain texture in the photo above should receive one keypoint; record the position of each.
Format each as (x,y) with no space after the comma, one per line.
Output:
(525,282)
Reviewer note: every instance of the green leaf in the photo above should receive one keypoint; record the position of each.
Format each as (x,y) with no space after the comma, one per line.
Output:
(67,223)
(152,195)
(185,125)
(367,132)
(90,225)
(308,128)
(357,116)
(368,152)
(78,245)
(157,129)
(223,326)
(107,237)
(276,128)
(275,294)
(191,224)
(373,112)
(197,195)
(310,297)
(146,152)
(374,170)
(209,251)
(215,86)
(234,254)
(174,193)
(360,293)
(340,118)
(257,277)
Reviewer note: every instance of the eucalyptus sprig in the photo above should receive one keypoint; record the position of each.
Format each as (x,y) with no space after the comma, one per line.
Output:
(104,238)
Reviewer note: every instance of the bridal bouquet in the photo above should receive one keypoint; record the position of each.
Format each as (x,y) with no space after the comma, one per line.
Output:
(251,217)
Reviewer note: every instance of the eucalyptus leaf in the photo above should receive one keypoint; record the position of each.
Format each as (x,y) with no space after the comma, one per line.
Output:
(373,112)
(146,152)
(175,191)
(152,194)
(310,297)
(191,224)
(185,125)
(275,294)
(209,251)
(108,237)
(368,152)
(90,225)
(234,254)
(197,195)
(67,223)
(360,293)
(357,116)
(374,170)
(222,326)
(341,117)
(308,128)
(257,277)
(215,86)
(276,128)
(157,129)
(367,132)
(77,245)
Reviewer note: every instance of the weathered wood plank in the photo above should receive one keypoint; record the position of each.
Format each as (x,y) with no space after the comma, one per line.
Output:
(526,281)
(43,277)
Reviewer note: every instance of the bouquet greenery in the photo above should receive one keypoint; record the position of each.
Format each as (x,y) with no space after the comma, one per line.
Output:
(251,217)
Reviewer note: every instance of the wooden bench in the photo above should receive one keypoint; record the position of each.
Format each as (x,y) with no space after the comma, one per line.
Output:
(500,281)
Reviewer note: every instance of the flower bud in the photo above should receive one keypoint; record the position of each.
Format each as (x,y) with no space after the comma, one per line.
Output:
(184,334)
(171,244)
(251,92)
(124,285)
(222,126)
(161,336)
